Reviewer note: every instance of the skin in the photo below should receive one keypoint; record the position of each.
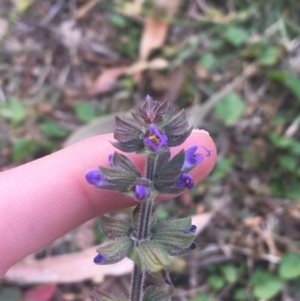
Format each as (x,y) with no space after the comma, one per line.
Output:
(44,199)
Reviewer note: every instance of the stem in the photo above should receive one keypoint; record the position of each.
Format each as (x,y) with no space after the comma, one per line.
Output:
(137,284)
(137,281)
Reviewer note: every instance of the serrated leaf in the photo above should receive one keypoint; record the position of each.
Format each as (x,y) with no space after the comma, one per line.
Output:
(289,267)
(121,162)
(153,257)
(115,250)
(114,228)
(181,224)
(162,293)
(173,239)
(122,180)
(230,108)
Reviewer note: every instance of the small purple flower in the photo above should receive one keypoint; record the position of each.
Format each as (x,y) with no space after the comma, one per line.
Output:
(191,229)
(99,259)
(110,159)
(141,192)
(156,140)
(185,181)
(192,158)
(94,177)
(148,97)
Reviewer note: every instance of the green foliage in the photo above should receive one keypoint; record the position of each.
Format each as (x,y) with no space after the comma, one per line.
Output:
(266,284)
(230,108)
(84,111)
(23,148)
(269,56)
(230,272)
(13,110)
(222,167)
(208,61)
(52,129)
(289,267)
(237,36)
(118,20)
(216,282)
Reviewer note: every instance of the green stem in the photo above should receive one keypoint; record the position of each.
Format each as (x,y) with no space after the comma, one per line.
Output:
(137,282)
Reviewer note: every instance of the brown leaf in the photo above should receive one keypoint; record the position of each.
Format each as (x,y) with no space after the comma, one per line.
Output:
(105,81)
(84,9)
(201,221)
(153,36)
(41,293)
(66,268)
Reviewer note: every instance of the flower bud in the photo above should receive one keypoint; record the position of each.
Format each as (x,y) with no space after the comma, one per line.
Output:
(94,177)
(185,181)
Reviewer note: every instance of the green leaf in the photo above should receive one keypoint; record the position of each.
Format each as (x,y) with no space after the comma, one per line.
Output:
(52,129)
(162,293)
(269,56)
(23,148)
(13,110)
(216,282)
(289,267)
(118,20)
(115,250)
(293,83)
(114,228)
(266,285)
(230,272)
(208,61)
(236,35)
(153,257)
(288,162)
(222,167)
(181,224)
(292,191)
(85,112)
(281,141)
(230,108)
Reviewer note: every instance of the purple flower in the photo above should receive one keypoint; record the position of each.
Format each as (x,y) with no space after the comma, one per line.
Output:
(94,177)
(155,140)
(185,181)
(99,259)
(191,229)
(148,97)
(192,158)
(141,192)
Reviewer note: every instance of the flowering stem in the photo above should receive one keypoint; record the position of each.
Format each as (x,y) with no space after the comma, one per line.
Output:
(137,284)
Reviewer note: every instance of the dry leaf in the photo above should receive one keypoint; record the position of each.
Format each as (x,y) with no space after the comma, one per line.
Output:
(158,63)
(153,36)
(201,221)
(106,81)
(84,9)
(66,268)
(155,30)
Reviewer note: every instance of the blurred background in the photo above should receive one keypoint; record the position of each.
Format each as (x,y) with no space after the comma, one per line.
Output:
(66,67)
